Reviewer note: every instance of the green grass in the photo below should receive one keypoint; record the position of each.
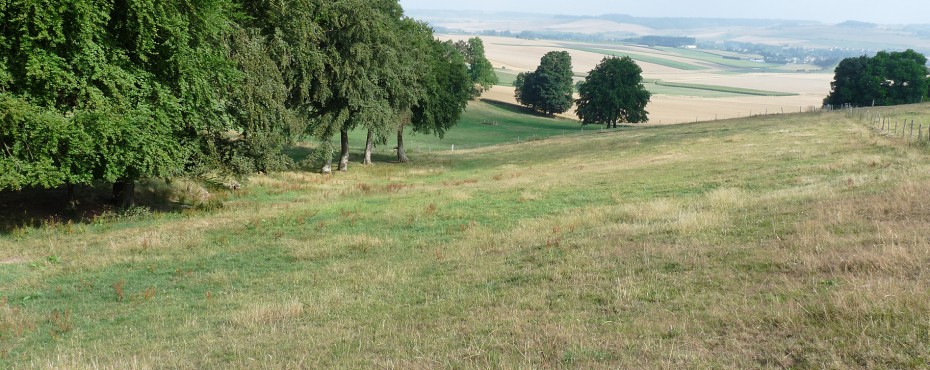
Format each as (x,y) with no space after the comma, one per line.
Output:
(505,78)
(790,241)
(485,123)
(657,88)
(640,58)
(724,89)
(718,59)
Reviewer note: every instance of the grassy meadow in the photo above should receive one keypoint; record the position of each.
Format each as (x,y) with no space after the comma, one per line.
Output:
(486,123)
(790,241)
(639,57)
(724,89)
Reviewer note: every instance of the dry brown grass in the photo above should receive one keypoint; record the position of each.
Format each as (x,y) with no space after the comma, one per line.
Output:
(751,244)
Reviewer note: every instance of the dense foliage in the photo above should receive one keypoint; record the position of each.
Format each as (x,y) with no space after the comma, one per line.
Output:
(613,92)
(480,69)
(121,90)
(111,91)
(888,78)
(446,90)
(549,89)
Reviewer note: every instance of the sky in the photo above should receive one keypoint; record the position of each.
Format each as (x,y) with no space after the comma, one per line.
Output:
(883,12)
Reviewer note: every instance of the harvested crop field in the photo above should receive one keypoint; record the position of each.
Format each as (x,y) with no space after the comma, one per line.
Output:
(671,105)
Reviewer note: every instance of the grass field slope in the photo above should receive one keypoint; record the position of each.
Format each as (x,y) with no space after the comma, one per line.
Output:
(790,241)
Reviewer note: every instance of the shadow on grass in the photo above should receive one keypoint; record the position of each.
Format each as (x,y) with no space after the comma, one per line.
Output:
(298,153)
(39,207)
(515,108)
(302,156)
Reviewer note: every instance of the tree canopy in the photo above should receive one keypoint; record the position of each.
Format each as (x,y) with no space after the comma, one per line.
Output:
(447,90)
(122,90)
(549,89)
(480,70)
(442,85)
(613,92)
(111,91)
(888,78)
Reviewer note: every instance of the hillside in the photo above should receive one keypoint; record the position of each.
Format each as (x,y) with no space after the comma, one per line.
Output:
(778,241)
(774,32)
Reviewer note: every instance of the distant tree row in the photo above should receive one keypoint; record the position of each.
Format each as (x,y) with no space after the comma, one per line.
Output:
(668,41)
(612,92)
(118,91)
(888,78)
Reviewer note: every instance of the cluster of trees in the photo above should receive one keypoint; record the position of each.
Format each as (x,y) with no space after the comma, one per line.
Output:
(612,92)
(118,91)
(549,89)
(888,78)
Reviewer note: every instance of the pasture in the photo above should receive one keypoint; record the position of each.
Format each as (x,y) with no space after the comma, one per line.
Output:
(789,241)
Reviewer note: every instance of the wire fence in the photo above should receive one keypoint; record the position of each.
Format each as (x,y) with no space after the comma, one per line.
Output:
(907,129)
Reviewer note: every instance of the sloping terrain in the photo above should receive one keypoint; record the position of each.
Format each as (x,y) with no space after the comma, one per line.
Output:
(780,241)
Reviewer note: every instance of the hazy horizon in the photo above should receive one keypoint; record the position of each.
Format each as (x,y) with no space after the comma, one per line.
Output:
(827,11)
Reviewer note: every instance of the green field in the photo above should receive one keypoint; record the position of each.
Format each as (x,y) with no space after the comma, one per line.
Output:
(724,89)
(790,241)
(657,88)
(639,58)
(485,123)
(505,78)
(718,59)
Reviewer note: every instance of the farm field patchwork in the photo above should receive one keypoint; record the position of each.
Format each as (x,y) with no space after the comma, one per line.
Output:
(721,91)
(790,241)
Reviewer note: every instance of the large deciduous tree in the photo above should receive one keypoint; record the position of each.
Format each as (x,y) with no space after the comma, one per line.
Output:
(361,60)
(110,90)
(443,87)
(448,89)
(480,70)
(275,45)
(549,89)
(888,78)
(613,92)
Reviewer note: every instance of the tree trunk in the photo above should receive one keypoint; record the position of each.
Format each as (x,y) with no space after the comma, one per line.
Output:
(124,194)
(369,146)
(401,154)
(327,167)
(344,157)
(72,204)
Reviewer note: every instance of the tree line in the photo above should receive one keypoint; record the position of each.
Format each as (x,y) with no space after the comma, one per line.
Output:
(888,78)
(118,91)
(611,93)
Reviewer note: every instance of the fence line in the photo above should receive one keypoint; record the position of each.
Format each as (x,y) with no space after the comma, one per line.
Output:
(892,127)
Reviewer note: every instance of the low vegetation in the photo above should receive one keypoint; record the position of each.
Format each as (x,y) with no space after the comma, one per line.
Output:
(724,89)
(791,241)
(640,58)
